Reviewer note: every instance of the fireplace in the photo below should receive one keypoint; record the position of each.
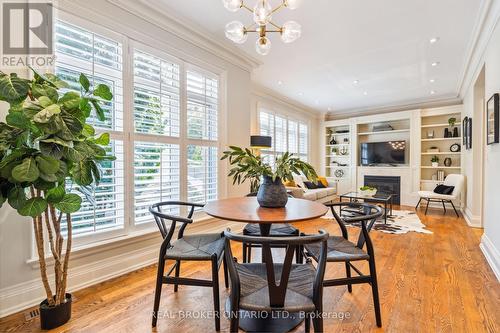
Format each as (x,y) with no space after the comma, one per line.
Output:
(386,184)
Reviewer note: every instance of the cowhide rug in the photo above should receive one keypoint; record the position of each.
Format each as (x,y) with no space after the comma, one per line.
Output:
(400,222)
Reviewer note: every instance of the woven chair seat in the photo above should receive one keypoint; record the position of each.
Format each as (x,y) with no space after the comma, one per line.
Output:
(196,247)
(255,291)
(277,230)
(339,250)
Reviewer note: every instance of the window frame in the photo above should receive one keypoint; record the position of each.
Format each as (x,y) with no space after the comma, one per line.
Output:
(273,152)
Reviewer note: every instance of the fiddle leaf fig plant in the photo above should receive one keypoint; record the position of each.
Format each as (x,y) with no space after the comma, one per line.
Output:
(247,165)
(47,145)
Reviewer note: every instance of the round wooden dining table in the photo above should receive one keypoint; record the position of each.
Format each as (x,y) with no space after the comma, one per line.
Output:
(247,210)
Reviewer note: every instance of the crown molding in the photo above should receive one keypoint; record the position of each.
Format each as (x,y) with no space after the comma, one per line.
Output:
(411,105)
(486,23)
(161,16)
(286,102)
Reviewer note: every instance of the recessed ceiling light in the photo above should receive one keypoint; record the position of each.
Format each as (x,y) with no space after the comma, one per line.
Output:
(432,80)
(280,83)
(329,109)
(434,40)
(434,64)
(301,93)
(355,82)
(432,92)
(365,93)
(316,102)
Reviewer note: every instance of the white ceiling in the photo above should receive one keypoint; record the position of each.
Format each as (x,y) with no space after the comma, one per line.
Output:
(382,43)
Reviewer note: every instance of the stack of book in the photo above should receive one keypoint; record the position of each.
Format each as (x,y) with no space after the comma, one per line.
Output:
(440,175)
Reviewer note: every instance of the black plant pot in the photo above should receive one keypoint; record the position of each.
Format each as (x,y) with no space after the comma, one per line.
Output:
(55,316)
(455,132)
(272,194)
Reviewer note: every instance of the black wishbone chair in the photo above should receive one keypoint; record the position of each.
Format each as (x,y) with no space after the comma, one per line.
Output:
(340,249)
(198,247)
(254,285)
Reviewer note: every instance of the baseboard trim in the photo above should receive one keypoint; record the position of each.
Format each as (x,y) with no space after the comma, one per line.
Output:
(491,254)
(30,293)
(473,221)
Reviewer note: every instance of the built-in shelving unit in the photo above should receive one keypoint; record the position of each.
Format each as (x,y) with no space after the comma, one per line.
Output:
(433,127)
(338,154)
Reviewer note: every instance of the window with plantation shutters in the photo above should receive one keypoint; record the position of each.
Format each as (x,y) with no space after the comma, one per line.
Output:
(100,58)
(202,173)
(78,50)
(103,204)
(156,177)
(202,106)
(165,142)
(288,135)
(156,95)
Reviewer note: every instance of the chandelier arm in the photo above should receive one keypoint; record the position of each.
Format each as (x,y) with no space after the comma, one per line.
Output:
(246,7)
(275,25)
(278,8)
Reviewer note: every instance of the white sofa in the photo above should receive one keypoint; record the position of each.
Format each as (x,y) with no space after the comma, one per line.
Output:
(320,194)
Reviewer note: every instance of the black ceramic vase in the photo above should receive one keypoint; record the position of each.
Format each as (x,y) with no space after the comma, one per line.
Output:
(447,162)
(55,316)
(272,194)
(455,132)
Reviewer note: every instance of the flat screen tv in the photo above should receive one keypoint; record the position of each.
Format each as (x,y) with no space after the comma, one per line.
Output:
(391,152)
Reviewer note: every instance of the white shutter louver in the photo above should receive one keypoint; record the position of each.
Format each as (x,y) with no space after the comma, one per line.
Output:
(202,173)
(156,176)
(202,106)
(81,51)
(156,95)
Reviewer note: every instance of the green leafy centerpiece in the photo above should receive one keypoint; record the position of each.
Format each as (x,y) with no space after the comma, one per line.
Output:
(271,193)
(46,146)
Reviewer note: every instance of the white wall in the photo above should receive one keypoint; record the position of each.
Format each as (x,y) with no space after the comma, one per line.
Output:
(487,55)
(20,284)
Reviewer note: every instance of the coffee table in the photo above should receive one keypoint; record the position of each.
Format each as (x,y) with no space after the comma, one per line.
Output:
(383,198)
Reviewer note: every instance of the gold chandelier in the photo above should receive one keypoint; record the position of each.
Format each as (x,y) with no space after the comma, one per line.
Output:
(262,15)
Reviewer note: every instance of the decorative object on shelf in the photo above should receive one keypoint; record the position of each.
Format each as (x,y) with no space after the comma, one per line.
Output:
(440,175)
(44,117)
(368,191)
(430,134)
(455,148)
(262,15)
(272,193)
(343,151)
(342,131)
(382,127)
(346,140)
(447,133)
(342,164)
(433,150)
(339,173)
(492,119)
(333,141)
(335,151)
(447,162)
(435,161)
(452,121)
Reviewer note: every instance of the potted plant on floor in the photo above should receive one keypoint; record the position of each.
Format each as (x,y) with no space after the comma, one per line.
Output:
(46,146)
(271,193)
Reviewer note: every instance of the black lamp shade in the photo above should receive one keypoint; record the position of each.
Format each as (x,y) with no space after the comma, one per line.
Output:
(260,141)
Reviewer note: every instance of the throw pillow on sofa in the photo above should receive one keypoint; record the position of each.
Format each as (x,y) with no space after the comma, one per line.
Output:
(310,185)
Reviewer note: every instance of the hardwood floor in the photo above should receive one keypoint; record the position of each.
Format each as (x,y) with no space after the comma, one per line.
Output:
(428,283)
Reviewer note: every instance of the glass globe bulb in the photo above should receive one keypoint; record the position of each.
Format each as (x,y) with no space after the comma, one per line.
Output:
(263,45)
(292,4)
(235,31)
(290,31)
(232,5)
(262,12)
